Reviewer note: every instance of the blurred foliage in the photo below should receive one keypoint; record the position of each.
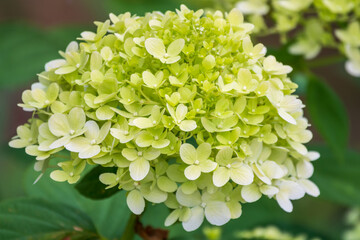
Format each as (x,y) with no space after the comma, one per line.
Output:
(329,116)
(25,50)
(42,219)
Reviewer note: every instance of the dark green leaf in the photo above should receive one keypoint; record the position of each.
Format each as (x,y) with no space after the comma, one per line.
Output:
(39,219)
(338,182)
(109,215)
(91,187)
(23,53)
(24,50)
(328,115)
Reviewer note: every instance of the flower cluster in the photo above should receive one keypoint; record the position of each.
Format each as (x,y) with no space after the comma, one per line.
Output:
(318,23)
(191,113)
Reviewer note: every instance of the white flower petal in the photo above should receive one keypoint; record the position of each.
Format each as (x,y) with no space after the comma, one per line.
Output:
(139,169)
(304,169)
(135,202)
(286,116)
(269,190)
(90,152)
(272,170)
(251,193)
(284,202)
(192,172)
(242,175)
(217,213)
(188,200)
(309,187)
(92,130)
(196,219)
(221,176)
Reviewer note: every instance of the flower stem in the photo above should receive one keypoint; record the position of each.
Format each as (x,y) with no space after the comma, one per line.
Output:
(130,228)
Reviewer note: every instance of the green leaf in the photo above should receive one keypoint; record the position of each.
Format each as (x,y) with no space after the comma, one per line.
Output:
(90,186)
(328,115)
(109,215)
(30,218)
(338,182)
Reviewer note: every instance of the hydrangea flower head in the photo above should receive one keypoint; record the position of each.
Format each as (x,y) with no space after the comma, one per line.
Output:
(190,112)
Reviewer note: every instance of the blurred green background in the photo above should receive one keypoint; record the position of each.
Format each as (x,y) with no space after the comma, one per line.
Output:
(32,32)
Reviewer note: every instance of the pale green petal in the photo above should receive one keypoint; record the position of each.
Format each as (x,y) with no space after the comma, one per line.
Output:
(235,209)
(54,64)
(59,125)
(242,175)
(18,143)
(78,144)
(143,123)
(171,60)
(310,187)
(175,47)
(105,128)
(76,118)
(172,217)
(135,202)
(260,174)
(139,169)
(272,170)
(59,176)
(207,166)
(195,221)
(155,47)
(92,130)
(217,213)
(269,190)
(235,17)
(286,116)
(166,185)
(150,80)
(39,95)
(130,154)
(304,169)
(151,154)
(251,193)
(188,125)
(284,202)
(181,112)
(192,172)
(104,113)
(90,152)
(188,187)
(65,70)
(188,200)
(144,139)
(224,156)
(106,53)
(203,151)
(161,143)
(188,153)
(154,194)
(300,148)
(221,176)
(60,142)
(108,178)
